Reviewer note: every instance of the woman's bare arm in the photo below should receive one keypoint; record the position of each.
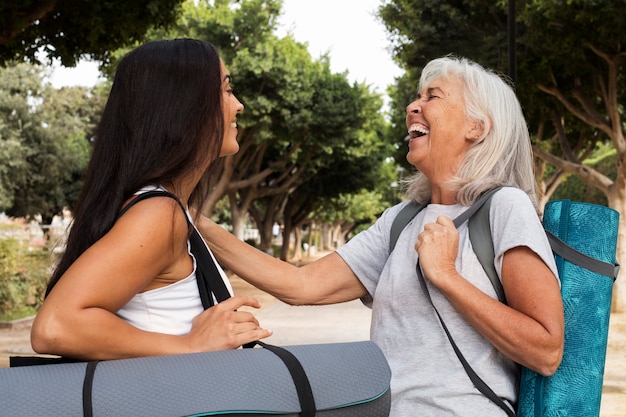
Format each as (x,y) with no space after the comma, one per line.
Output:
(326,281)
(78,318)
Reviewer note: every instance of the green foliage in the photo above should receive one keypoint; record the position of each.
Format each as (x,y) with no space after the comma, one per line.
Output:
(358,208)
(44,144)
(306,134)
(573,188)
(303,126)
(561,45)
(23,278)
(361,208)
(570,78)
(401,94)
(421,30)
(71,29)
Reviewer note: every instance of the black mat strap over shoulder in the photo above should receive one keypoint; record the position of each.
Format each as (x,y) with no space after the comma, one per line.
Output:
(210,282)
(150,194)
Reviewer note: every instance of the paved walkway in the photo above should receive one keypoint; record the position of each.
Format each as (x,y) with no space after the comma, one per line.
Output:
(350,322)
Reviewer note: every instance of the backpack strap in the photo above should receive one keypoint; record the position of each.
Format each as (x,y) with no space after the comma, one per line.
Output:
(150,194)
(477,214)
(482,242)
(576,257)
(403,218)
(473,376)
(210,282)
(479,233)
(480,236)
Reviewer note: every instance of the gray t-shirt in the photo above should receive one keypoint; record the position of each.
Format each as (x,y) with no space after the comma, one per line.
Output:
(427,377)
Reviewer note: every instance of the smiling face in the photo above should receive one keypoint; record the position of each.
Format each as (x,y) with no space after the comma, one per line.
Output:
(440,132)
(231,106)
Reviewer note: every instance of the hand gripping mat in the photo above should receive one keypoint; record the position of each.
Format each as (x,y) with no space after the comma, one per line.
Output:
(347,379)
(575,389)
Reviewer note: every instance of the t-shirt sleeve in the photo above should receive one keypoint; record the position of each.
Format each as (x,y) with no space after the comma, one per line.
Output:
(514,222)
(367,252)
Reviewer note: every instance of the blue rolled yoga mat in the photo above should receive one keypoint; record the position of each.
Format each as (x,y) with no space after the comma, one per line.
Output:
(575,390)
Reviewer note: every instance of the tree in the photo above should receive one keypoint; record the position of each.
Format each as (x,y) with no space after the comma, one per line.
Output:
(44,144)
(571,87)
(588,81)
(275,80)
(421,30)
(299,117)
(339,149)
(71,29)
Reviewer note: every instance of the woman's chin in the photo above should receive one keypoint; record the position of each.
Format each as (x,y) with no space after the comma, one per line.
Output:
(229,148)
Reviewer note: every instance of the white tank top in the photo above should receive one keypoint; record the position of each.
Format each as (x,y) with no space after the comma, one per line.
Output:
(169,309)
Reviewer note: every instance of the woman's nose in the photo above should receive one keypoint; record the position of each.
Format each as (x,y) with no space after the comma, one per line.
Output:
(413,107)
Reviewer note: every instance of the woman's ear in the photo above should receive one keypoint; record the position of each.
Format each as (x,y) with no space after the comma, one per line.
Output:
(479,130)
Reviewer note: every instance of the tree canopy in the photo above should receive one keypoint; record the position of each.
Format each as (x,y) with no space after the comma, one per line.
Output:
(71,29)
(570,77)
(44,141)
(306,134)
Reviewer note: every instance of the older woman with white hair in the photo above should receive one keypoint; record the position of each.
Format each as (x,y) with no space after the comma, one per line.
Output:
(467,136)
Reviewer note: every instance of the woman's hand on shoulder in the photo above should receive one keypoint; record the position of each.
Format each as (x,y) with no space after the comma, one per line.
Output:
(437,248)
(224,327)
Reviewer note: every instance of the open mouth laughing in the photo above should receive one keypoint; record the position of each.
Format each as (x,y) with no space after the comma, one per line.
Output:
(418,130)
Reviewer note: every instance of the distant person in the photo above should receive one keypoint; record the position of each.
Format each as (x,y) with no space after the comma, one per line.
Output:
(467,136)
(126,287)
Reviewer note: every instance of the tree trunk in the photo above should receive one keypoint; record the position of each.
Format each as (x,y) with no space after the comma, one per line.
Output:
(267,238)
(617,201)
(239,225)
(284,249)
(297,245)
(619,288)
(338,238)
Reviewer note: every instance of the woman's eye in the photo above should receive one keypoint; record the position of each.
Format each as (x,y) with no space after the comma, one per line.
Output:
(426,97)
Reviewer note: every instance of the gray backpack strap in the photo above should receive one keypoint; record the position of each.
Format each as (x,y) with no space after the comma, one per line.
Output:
(576,257)
(482,243)
(473,376)
(401,220)
(480,236)
(479,231)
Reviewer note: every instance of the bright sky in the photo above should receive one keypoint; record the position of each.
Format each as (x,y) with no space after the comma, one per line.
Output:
(351,34)
(345,29)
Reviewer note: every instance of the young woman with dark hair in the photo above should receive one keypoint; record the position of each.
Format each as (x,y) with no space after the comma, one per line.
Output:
(126,285)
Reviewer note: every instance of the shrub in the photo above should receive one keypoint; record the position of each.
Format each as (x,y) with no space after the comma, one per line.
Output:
(23,278)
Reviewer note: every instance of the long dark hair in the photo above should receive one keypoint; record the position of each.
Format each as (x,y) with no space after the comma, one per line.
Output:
(163,118)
